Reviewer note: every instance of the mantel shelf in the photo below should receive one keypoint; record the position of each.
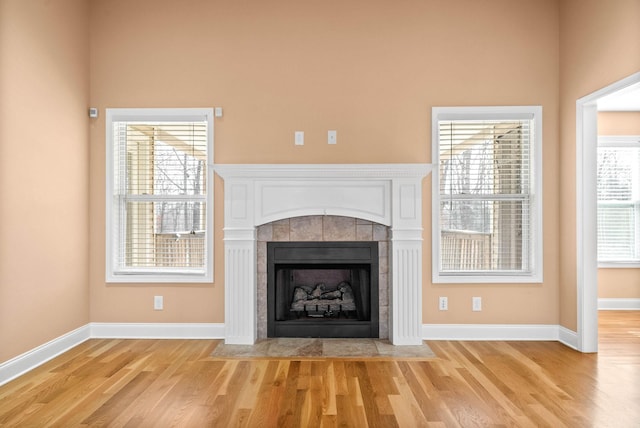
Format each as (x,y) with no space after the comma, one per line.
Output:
(310,171)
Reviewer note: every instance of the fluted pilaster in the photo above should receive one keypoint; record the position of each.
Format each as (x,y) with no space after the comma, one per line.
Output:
(240,290)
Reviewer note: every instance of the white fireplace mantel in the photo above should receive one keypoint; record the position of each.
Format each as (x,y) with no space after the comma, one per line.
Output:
(389,194)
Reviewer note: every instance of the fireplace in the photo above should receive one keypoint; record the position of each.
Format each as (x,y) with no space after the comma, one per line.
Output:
(386,194)
(322,289)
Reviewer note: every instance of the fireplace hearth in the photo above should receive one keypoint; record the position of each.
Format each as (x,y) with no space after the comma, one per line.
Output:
(322,289)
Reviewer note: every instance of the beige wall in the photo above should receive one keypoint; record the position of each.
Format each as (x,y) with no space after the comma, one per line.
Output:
(619,123)
(44,92)
(619,283)
(599,46)
(372,70)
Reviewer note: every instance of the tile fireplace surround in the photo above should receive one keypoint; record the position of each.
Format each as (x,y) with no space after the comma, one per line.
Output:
(387,194)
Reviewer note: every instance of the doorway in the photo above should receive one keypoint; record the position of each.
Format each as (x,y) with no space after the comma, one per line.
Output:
(586,206)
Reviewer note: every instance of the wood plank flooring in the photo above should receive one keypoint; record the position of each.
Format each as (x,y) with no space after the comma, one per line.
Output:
(166,383)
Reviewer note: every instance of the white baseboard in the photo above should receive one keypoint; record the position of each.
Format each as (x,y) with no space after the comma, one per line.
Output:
(157,330)
(21,364)
(628,304)
(490,332)
(568,337)
(500,332)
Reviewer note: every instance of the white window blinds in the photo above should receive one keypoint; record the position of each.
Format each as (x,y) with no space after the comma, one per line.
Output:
(160,183)
(487,195)
(618,190)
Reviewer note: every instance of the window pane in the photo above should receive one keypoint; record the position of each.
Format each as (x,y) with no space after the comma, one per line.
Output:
(484,157)
(163,158)
(480,235)
(616,167)
(179,217)
(616,232)
(178,172)
(485,188)
(138,236)
(161,234)
(618,187)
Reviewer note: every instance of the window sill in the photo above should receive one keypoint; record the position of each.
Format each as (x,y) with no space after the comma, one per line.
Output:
(486,279)
(159,278)
(618,265)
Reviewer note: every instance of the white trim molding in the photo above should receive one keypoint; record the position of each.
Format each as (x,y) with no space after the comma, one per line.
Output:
(568,337)
(157,330)
(28,361)
(490,332)
(586,208)
(507,332)
(619,304)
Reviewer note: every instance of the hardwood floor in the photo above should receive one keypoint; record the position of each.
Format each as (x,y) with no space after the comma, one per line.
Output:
(163,383)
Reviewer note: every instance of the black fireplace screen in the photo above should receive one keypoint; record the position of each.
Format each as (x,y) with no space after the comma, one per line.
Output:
(324,289)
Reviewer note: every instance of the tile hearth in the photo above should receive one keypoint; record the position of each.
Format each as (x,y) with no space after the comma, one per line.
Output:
(322,348)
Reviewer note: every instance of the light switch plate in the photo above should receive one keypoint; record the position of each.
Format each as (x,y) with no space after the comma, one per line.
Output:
(158,303)
(477,304)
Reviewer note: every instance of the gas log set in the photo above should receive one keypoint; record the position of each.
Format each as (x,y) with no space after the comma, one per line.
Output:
(318,302)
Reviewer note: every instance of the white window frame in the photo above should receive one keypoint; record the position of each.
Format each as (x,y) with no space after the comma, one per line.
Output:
(535,275)
(620,141)
(150,275)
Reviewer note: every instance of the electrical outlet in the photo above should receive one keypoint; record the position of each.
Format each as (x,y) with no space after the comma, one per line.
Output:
(299,138)
(332,137)
(476,304)
(443,304)
(158,303)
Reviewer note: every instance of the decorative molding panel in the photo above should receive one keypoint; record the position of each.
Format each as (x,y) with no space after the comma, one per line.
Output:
(367,199)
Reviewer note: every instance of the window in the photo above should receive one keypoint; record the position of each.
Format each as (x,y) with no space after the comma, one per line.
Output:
(487,201)
(618,188)
(159,195)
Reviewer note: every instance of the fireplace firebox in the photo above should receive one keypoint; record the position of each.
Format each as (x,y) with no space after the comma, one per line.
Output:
(322,289)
